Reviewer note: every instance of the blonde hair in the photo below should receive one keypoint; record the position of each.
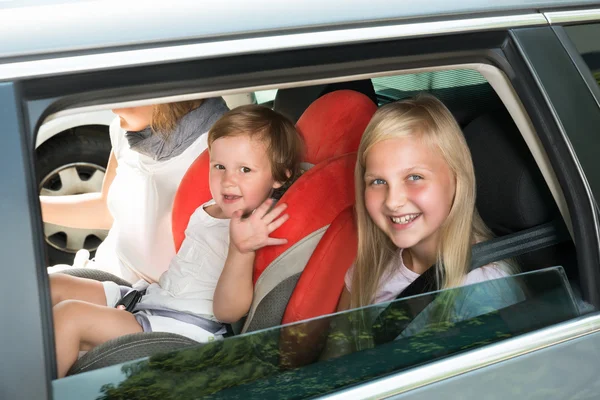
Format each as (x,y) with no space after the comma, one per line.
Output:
(284,145)
(166,116)
(428,119)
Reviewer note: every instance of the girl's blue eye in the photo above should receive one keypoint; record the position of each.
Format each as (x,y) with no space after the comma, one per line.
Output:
(219,166)
(378,182)
(246,170)
(414,177)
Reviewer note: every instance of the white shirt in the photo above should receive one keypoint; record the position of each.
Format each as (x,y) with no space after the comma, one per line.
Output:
(140,242)
(400,277)
(190,282)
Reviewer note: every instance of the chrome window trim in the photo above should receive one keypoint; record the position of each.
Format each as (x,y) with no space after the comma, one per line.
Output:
(91,62)
(471,360)
(574,16)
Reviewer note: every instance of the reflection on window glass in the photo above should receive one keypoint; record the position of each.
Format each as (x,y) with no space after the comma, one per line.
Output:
(333,352)
(430,80)
(585,39)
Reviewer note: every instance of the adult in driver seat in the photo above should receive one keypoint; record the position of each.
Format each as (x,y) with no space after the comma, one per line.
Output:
(152,148)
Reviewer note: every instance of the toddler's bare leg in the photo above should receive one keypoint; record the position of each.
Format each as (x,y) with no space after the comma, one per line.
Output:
(67,287)
(82,326)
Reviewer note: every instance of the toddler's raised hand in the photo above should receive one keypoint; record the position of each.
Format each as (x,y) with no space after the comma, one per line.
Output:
(251,233)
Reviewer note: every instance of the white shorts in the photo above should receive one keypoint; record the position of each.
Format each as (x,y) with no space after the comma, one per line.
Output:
(114,293)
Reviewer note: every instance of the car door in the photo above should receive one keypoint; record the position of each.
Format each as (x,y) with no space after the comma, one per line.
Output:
(553,363)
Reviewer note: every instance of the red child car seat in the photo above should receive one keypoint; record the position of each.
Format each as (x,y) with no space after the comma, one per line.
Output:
(331,128)
(319,253)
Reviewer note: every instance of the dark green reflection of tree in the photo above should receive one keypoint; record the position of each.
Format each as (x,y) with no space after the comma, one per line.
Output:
(265,364)
(195,372)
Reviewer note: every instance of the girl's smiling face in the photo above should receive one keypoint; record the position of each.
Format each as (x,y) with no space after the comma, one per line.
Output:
(409,191)
(240,175)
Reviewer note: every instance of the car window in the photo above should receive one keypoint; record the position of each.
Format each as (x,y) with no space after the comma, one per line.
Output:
(585,39)
(329,353)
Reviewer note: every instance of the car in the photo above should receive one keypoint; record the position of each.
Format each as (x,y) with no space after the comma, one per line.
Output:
(519,77)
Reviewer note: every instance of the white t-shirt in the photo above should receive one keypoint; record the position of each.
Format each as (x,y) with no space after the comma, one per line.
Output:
(140,242)
(190,282)
(400,277)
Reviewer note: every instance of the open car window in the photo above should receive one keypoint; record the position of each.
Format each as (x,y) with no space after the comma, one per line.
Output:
(334,352)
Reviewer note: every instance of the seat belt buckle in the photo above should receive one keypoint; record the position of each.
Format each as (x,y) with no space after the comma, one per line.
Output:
(130,300)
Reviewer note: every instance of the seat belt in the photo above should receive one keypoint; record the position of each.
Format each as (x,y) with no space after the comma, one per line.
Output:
(482,253)
(497,249)
(518,243)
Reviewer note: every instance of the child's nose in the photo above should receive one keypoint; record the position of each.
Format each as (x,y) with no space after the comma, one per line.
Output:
(228,179)
(396,198)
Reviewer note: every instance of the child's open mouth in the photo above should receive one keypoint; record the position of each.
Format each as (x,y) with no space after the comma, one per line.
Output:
(228,198)
(405,219)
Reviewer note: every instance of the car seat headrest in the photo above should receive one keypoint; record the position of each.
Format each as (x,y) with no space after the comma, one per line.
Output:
(511,192)
(293,102)
(333,124)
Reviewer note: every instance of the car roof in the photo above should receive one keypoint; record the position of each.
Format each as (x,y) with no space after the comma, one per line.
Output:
(41,27)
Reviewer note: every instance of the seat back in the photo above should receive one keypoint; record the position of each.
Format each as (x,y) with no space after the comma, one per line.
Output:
(322,281)
(331,128)
(314,201)
(512,195)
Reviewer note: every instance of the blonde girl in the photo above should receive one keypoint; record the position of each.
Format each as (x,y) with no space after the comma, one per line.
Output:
(415,204)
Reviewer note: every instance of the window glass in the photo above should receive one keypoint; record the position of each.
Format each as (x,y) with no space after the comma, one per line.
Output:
(430,80)
(585,39)
(333,352)
(265,96)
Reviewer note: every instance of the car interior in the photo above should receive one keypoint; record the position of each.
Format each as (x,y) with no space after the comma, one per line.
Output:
(304,278)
